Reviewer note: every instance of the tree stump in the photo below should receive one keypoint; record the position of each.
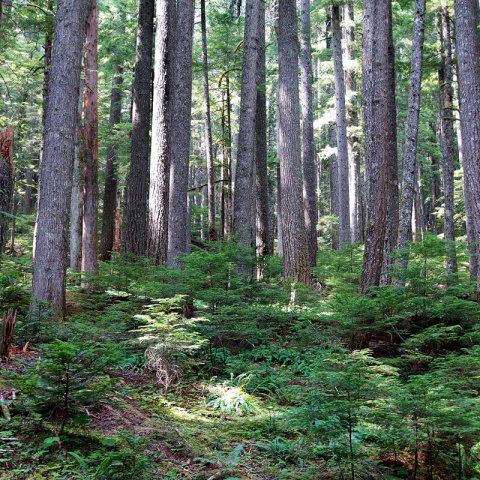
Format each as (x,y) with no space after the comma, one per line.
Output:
(8,327)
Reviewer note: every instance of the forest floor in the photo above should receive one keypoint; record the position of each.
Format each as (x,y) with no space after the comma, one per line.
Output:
(204,374)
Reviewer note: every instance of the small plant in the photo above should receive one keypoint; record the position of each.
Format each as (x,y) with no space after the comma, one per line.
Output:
(227,463)
(283,450)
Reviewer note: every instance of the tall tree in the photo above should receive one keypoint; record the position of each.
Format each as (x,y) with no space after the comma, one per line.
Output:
(134,229)
(6,182)
(376,104)
(393,211)
(411,138)
(90,136)
(355,191)
(158,205)
(447,136)
(294,234)
(468,53)
(111,180)
(242,203)
(51,240)
(341,123)
(212,234)
(309,164)
(178,225)
(261,166)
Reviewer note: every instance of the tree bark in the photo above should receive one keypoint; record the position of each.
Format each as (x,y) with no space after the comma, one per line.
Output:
(393,213)
(134,229)
(111,179)
(306,98)
(6,183)
(447,138)
(51,241)
(295,246)
(178,231)
(158,206)
(468,53)
(341,123)
(376,86)
(76,203)
(333,183)
(261,166)
(90,136)
(212,233)
(411,138)
(242,203)
(355,192)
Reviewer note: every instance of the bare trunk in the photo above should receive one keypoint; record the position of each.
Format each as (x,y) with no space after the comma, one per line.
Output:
(295,245)
(51,241)
(242,204)
(76,203)
(468,53)
(158,204)
(393,213)
(334,187)
(212,233)
(306,98)
(261,166)
(90,136)
(376,85)
(6,183)
(411,139)
(111,180)
(341,123)
(447,138)
(134,229)
(178,224)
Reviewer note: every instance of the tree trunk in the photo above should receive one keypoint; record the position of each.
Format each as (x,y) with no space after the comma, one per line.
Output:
(355,193)
(393,213)
(6,183)
(468,54)
(76,203)
(134,230)
(295,245)
(111,180)
(178,231)
(334,187)
(411,139)
(261,166)
(242,203)
(90,136)
(161,133)
(306,98)
(341,122)
(376,86)
(51,241)
(447,138)
(212,234)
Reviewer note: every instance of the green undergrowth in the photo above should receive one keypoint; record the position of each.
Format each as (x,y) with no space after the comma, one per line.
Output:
(208,373)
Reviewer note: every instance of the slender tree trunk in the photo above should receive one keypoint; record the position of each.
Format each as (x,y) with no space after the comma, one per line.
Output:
(111,180)
(447,137)
(341,122)
(411,139)
(272,172)
(76,203)
(242,203)
(90,135)
(393,213)
(355,193)
(333,183)
(295,244)
(158,206)
(51,241)
(212,234)
(261,166)
(134,229)
(376,86)
(6,183)
(178,231)
(306,98)
(468,53)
